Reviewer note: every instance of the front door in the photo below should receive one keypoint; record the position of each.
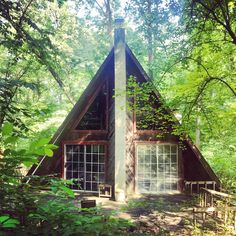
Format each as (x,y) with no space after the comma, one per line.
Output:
(157,168)
(85,165)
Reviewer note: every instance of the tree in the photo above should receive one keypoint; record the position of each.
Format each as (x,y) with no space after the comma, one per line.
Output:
(211,15)
(30,37)
(101,15)
(155,22)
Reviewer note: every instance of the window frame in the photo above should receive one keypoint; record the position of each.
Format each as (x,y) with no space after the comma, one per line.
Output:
(178,162)
(63,168)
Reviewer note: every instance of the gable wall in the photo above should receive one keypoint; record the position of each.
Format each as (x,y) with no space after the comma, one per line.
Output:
(194,170)
(134,137)
(66,133)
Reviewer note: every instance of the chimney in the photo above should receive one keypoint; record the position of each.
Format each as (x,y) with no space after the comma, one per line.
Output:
(120,110)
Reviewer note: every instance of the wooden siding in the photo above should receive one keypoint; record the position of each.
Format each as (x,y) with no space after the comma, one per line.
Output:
(193,169)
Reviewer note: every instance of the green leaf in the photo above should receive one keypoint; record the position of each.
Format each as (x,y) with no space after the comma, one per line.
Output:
(7,129)
(67,191)
(11,140)
(52,146)
(10,225)
(4,218)
(54,189)
(48,152)
(28,161)
(39,152)
(13,221)
(7,152)
(42,142)
(21,152)
(7,222)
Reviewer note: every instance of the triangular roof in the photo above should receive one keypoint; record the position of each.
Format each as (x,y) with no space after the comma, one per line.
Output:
(89,92)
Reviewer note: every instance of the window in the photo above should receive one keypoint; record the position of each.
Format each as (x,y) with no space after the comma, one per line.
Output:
(157,168)
(85,165)
(95,117)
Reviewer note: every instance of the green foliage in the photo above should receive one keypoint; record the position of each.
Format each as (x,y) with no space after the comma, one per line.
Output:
(25,210)
(13,157)
(7,222)
(58,217)
(17,200)
(59,187)
(155,26)
(222,157)
(150,110)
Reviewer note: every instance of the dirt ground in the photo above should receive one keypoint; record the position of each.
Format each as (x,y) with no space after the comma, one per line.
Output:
(162,215)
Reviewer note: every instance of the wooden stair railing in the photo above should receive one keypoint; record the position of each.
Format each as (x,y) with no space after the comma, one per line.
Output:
(220,206)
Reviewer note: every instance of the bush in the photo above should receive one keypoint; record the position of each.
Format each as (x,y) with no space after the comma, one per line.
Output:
(25,210)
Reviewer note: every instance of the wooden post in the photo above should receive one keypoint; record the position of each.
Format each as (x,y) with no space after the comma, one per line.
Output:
(211,199)
(214,185)
(234,219)
(120,111)
(203,217)
(194,217)
(201,199)
(204,199)
(225,217)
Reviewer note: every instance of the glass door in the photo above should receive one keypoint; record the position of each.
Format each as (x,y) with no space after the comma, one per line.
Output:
(157,168)
(85,165)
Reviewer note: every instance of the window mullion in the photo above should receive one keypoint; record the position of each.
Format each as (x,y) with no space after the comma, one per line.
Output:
(157,163)
(85,163)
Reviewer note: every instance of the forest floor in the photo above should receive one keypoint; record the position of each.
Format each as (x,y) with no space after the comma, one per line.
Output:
(163,215)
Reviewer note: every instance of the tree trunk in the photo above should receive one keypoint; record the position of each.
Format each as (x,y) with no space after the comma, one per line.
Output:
(150,41)
(198,132)
(109,21)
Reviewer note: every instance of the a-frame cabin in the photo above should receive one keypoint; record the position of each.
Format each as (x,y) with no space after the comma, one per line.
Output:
(100,141)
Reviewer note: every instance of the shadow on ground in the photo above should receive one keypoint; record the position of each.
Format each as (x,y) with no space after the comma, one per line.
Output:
(161,215)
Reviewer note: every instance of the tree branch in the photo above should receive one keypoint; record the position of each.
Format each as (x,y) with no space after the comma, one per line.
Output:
(24,11)
(203,87)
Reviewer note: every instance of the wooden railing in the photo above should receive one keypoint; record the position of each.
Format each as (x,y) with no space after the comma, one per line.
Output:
(218,205)
(194,186)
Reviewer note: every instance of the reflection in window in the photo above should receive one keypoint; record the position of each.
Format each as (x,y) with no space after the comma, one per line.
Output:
(157,168)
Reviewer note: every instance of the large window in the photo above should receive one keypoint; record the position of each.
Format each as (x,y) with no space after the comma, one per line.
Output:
(157,168)
(85,165)
(95,117)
